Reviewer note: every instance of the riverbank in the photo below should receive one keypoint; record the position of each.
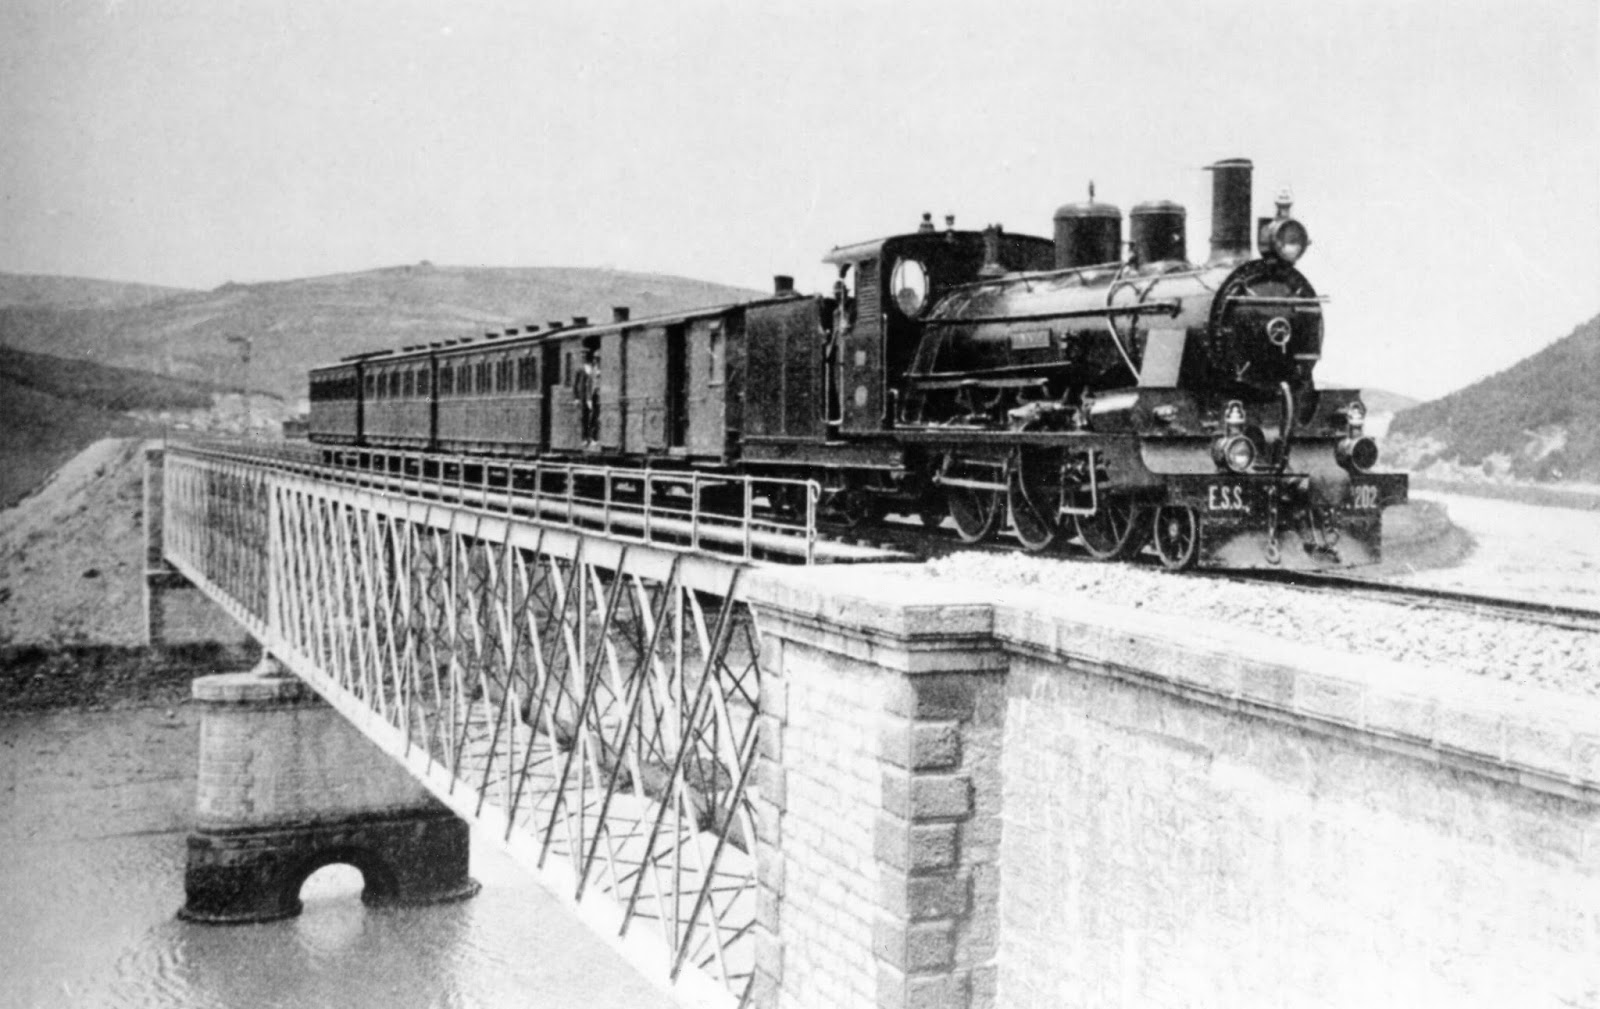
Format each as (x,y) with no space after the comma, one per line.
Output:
(101,677)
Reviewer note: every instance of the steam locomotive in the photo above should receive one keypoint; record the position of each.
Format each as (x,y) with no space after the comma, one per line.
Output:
(1080,387)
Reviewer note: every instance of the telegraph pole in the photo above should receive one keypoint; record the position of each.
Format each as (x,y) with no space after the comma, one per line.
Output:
(244,388)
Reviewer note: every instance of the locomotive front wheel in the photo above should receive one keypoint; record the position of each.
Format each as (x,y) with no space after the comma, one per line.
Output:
(1177,537)
(1113,533)
(976,512)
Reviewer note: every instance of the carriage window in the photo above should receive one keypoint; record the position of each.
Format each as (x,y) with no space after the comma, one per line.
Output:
(909,284)
(406,384)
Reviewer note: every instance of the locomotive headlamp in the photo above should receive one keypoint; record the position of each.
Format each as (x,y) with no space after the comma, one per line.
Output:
(1355,415)
(1233,417)
(1234,452)
(1356,453)
(1285,238)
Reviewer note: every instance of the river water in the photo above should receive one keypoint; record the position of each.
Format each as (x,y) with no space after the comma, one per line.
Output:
(94,811)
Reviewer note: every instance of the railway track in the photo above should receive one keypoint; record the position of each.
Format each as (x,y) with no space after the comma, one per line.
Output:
(1355,586)
(906,538)
(925,544)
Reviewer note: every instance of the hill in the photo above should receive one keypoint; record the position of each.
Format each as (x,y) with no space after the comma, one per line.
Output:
(294,324)
(1538,419)
(40,291)
(51,408)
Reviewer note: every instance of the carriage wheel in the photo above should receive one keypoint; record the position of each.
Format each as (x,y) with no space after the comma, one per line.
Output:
(977,512)
(1112,533)
(1177,537)
(1035,501)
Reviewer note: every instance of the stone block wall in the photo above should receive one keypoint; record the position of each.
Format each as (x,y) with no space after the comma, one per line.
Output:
(1084,805)
(879,806)
(1200,818)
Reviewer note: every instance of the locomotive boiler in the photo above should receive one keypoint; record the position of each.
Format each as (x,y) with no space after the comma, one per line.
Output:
(1082,387)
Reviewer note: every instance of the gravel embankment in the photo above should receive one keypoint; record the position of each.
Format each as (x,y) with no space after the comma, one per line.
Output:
(1511,650)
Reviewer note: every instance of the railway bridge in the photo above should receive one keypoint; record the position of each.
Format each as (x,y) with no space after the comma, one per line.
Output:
(809,784)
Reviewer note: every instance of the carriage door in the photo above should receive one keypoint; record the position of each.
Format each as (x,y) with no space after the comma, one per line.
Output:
(613,387)
(549,379)
(861,357)
(677,386)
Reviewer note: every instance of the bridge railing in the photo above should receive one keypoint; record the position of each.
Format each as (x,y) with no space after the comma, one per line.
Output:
(751,517)
(590,701)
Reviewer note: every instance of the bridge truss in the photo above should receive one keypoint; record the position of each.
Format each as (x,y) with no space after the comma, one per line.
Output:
(591,703)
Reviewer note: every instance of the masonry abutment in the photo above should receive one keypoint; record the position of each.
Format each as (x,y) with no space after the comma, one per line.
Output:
(287,786)
(969,800)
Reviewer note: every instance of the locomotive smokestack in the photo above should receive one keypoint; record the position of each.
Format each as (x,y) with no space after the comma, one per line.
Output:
(1230,209)
(619,313)
(782,286)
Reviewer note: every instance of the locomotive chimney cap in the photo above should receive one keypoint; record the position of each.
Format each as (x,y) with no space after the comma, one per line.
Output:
(1088,209)
(1230,163)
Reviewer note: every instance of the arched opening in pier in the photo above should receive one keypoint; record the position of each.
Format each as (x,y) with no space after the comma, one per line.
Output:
(342,873)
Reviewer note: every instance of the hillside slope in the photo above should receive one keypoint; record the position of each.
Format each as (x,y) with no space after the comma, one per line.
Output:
(28,290)
(51,408)
(1538,419)
(294,324)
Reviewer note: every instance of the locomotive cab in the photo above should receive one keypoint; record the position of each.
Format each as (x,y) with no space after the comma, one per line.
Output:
(885,289)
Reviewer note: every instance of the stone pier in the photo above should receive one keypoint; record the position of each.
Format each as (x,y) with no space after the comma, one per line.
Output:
(286,787)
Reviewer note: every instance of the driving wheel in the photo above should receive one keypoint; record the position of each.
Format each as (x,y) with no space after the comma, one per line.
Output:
(1035,498)
(1112,533)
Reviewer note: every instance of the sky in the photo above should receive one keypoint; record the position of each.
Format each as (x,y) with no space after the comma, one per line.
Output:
(1445,156)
